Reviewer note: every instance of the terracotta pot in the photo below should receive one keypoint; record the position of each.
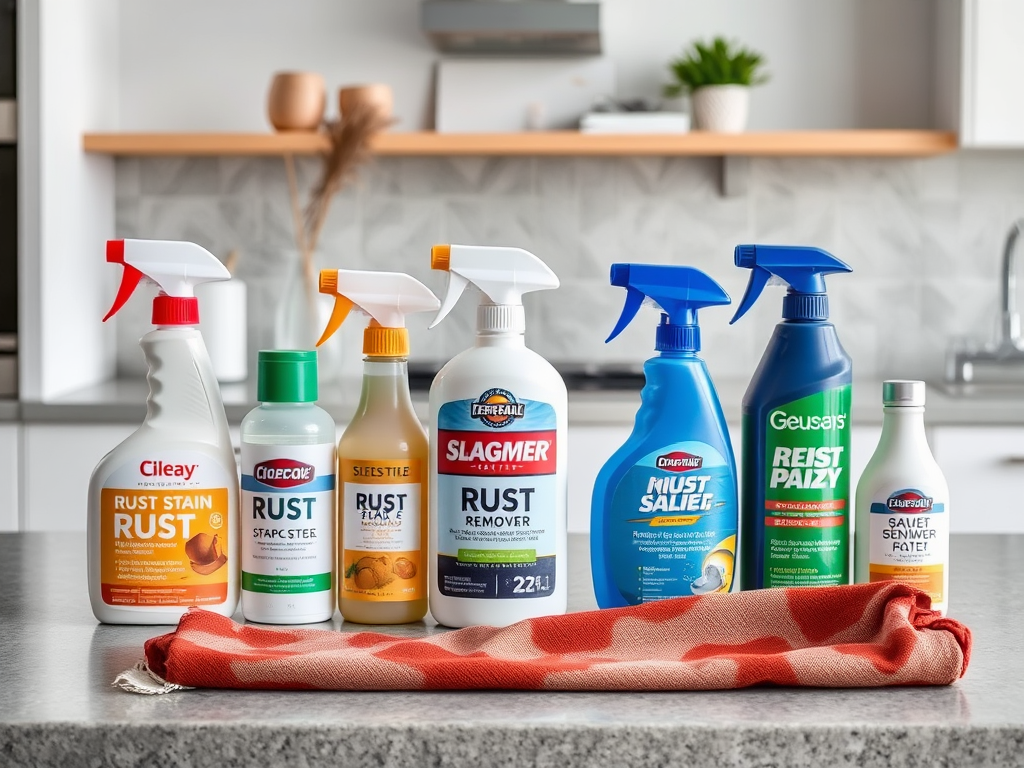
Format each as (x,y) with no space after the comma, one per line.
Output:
(296,101)
(376,95)
(721,108)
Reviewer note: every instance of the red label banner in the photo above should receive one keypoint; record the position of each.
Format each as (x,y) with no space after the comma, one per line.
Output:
(507,453)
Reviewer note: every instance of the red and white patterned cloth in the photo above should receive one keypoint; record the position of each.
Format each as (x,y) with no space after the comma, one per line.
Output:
(856,636)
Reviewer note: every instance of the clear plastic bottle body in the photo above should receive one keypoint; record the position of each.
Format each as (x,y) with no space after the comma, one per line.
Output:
(384,428)
(282,426)
(903,462)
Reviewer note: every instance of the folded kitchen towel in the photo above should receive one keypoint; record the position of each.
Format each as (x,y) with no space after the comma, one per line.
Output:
(832,637)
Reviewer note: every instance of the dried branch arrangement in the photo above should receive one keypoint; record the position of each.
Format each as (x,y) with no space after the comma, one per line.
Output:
(350,139)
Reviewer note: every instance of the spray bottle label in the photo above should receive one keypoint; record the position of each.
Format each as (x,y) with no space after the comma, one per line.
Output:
(910,540)
(672,529)
(164,532)
(496,497)
(287,518)
(382,531)
(807,491)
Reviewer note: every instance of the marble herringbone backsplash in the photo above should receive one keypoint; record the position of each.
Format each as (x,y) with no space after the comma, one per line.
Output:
(924,238)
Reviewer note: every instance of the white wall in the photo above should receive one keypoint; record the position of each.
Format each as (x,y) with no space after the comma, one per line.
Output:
(68,60)
(833,63)
(168,65)
(201,65)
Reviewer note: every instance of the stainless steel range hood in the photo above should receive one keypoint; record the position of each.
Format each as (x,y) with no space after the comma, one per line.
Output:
(513,26)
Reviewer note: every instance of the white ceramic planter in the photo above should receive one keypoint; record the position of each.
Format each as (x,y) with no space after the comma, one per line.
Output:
(721,108)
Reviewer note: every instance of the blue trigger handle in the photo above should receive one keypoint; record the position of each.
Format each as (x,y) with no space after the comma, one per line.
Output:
(634,300)
(758,280)
(801,267)
(678,290)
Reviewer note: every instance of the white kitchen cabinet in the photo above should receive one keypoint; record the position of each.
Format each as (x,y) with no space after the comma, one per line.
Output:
(863,441)
(59,459)
(589,449)
(10,475)
(979,60)
(984,467)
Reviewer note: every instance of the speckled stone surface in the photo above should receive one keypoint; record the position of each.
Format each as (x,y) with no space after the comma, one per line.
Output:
(57,706)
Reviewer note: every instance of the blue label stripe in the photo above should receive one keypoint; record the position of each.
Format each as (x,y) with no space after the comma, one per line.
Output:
(320,483)
(879,508)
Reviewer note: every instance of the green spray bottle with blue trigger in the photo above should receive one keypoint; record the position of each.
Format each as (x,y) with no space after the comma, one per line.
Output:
(795,504)
(664,511)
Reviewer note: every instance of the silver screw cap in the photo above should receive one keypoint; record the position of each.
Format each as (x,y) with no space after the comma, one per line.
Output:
(903,392)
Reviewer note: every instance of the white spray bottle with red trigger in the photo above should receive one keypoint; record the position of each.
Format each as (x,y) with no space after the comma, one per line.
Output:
(163,505)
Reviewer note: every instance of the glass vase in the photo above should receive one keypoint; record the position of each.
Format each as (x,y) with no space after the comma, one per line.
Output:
(302,315)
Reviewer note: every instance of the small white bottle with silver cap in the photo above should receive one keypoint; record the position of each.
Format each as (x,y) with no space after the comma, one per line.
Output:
(902,505)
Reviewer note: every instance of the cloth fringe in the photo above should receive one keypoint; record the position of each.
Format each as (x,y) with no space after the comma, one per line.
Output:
(141,679)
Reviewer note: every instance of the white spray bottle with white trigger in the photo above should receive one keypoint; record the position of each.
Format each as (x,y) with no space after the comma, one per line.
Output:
(163,505)
(498,426)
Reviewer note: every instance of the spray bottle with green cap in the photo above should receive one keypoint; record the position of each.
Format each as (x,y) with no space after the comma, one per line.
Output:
(795,507)
(287,495)
(498,414)
(382,456)
(664,512)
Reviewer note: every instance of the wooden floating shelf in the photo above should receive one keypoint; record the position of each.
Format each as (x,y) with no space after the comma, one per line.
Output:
(863,143)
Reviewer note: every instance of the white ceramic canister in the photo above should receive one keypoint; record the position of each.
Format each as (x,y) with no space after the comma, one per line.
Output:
(223,322)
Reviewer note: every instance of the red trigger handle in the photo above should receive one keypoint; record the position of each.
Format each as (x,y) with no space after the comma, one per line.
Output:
(129,282)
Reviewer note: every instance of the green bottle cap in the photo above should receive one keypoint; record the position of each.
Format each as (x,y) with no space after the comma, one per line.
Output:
(286,376)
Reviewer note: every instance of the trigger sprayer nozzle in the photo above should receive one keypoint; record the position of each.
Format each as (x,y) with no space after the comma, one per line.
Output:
(803,269)
(328,281)
(620,274)
(678,291)
(502,274)
(441,257)
(177,267)
(387,297)
(745,256)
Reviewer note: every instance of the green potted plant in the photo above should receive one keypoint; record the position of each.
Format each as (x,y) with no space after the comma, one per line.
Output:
(718,77)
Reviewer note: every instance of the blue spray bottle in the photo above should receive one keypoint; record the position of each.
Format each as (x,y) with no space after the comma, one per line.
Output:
(664,512)
(794,521)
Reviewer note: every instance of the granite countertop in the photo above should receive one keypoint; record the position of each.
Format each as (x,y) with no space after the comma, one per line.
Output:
(58,708)
(124,401)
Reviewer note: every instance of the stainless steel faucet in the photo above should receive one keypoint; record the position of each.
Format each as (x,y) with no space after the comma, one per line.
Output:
(1009,327)
(1008,347)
